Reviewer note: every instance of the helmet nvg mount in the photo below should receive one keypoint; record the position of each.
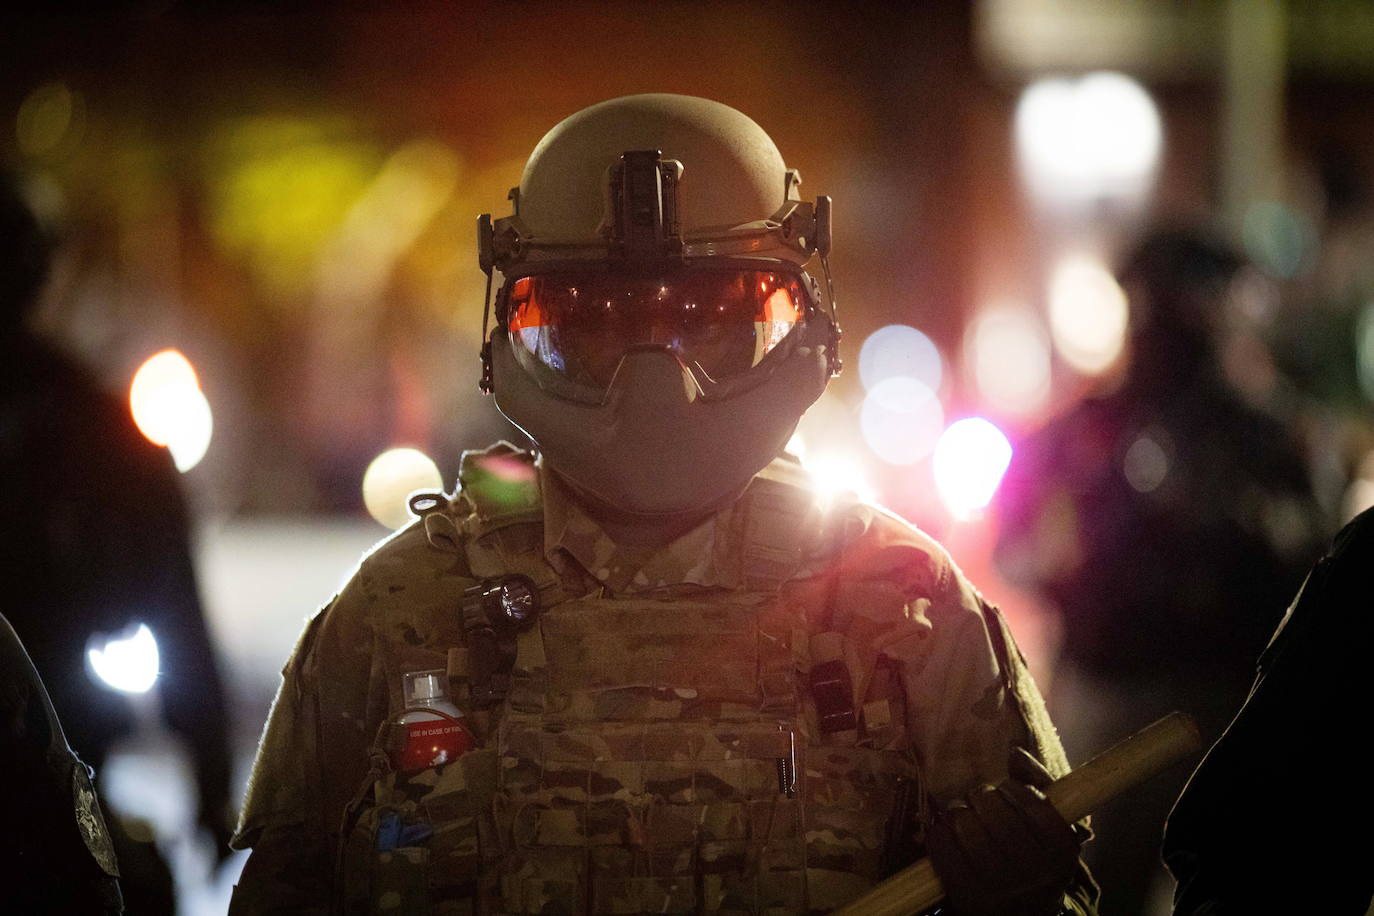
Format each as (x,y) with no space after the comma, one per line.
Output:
(656,334)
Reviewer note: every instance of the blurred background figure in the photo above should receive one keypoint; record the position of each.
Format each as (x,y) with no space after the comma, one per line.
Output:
(1273,776)
(1324,333)
(1167,521)
(100,587)
(55,851)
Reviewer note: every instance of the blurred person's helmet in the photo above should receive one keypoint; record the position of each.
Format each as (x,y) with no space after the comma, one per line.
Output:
(1178,279)
(656,334)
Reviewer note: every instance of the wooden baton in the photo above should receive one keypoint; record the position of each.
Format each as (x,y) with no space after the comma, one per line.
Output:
(1074,795)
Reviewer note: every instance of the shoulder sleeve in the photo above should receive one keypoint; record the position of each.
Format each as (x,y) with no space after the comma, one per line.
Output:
(969,695)
(274,785)
(312,758)
(316,756)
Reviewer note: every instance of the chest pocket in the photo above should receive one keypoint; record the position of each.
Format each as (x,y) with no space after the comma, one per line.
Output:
(650,774)
(419,840)
(862,785)
(420,845)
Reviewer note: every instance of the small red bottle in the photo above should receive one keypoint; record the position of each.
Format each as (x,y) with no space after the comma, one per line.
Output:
(434,730)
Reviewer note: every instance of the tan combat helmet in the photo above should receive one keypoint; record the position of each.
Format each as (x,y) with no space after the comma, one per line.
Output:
(656,335)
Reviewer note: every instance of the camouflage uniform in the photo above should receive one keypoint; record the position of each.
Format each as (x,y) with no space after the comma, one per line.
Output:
(754,719)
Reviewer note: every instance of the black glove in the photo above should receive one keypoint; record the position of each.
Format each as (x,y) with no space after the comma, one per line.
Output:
(1004,849)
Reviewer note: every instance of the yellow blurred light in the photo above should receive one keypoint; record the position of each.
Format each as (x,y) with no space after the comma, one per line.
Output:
(391,478)
(407,193)
(1088,314)
(46,118)
(281,188)
(167,370)
(1009,352)
(170,409)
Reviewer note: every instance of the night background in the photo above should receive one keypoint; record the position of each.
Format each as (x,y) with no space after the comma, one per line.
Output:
(287,196)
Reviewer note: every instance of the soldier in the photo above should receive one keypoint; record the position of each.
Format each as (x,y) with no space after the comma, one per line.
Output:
(686,687)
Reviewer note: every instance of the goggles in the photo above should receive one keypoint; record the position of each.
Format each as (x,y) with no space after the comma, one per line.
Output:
(570,326)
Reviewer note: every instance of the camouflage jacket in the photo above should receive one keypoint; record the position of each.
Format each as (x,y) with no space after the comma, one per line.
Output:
(758,717)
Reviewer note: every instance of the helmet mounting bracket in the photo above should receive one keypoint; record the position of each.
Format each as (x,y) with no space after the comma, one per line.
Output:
(643,205)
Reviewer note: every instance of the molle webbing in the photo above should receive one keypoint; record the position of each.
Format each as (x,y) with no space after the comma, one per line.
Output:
(640,759)
(653,752)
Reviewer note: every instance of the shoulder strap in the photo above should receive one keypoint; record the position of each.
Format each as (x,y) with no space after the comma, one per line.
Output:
(780,522)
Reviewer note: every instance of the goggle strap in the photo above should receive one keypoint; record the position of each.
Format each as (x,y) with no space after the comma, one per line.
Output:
(836,363)
(484,384)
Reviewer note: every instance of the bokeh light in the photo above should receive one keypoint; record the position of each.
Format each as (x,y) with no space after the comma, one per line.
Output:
(170,409)
(1278,238)
(834,474)
(1146,462)
(900,419)
(1359,493)
(280,187)
(970,460)
(391,478)
(1364,350)
(900,350)
(1008,352)
(1082,140)
(128,664)
(47,117)
(1088,314)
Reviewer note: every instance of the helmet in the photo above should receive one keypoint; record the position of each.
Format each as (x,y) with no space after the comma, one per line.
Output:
(656,333)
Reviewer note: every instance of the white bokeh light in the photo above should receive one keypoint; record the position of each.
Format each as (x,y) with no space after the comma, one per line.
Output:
(1086,139)
(170,409)
(900,350)
(191,440)
(391,478)
(900,419)
(128,664)
(1088,314)
(833,475)
(1145,464)
(970,460)
(1008,350)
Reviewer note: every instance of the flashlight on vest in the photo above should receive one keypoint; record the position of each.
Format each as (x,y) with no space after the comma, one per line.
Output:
(493,612)
(507,604)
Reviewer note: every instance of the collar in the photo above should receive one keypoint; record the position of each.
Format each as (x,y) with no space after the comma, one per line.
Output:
(707,555)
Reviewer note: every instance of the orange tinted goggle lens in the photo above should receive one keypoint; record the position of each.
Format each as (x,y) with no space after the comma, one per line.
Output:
(720,323)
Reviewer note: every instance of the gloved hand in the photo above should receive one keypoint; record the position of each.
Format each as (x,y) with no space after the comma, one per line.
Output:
(1004,849)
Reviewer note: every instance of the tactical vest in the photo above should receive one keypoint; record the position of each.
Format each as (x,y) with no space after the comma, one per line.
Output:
(688,750)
